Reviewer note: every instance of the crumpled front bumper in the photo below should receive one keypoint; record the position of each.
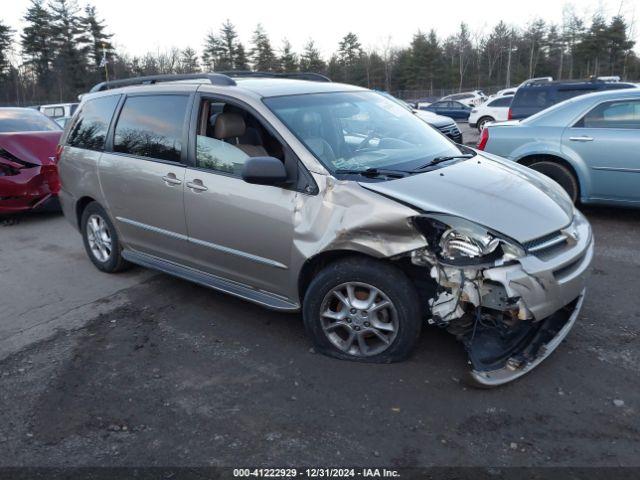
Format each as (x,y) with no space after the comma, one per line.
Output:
(564,319)
(550,286)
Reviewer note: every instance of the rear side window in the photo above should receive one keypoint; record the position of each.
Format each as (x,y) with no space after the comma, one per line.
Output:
(90,128)
(621,114)
(532,98)
(566,94)
(152,126)
(501,102)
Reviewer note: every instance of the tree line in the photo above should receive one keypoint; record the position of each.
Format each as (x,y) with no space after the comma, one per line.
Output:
(64,49)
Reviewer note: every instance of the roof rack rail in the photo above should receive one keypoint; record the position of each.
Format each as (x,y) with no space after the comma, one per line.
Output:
(610,78)
(314,77)
(214,78)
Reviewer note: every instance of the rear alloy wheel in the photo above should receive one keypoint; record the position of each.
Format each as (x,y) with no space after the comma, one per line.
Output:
(362,309)
(560,174)
(101,239)
(483,123)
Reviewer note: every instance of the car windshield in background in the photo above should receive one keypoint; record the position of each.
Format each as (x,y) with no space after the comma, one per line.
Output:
(350,131)
(25,120)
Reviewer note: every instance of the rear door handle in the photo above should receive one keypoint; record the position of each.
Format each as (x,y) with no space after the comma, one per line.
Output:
(171,179)
(197,186)
(581,139)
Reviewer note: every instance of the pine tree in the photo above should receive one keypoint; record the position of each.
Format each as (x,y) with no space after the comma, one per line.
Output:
(71,47)
(262,55)
(228,41)
(288,58)
(6,39)
(35,41)
(349,50)
(224,51)
(311,60)
(619,46)
(99,40)
(213,53)
(241,62)
(188,61)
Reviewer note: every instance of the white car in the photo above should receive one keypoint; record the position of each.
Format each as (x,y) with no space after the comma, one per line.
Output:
(496,110)
(58,110)
(506,92)
(470,99)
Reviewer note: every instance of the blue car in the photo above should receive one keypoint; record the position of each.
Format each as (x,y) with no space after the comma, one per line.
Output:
(589,145)
(449,108)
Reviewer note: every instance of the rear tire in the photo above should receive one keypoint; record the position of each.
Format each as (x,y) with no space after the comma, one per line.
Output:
(101,239)
(363,310)
(560,174)
(483,121)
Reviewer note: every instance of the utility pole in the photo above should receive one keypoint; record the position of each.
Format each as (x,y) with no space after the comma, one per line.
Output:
(509,61)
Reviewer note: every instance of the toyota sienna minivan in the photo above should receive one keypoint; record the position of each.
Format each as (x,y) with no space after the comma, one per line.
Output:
(304,195)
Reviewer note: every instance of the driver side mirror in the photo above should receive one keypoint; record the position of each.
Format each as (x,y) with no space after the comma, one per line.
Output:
(264,171)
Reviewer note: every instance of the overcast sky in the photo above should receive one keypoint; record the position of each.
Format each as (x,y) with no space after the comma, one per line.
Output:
(144,25)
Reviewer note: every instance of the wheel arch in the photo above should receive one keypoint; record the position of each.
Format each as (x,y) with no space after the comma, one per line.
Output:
(420,277)
(577,172)
(81,204)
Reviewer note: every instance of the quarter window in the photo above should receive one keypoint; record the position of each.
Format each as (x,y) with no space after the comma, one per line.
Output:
(621,114)
(152,126)
(90,129)
(501,102)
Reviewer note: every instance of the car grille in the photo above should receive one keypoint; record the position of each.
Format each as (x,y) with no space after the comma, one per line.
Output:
(451,130)
(546,244)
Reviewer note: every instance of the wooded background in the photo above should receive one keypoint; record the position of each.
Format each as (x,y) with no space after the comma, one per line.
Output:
(59,52)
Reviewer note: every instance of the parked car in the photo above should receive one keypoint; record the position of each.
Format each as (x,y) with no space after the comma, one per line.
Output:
(449,108)
(496,110)
(507,92)
(535,96)
(333,200)
(469,99)
(445,125)
(28,177)
(588,144)
(58,110)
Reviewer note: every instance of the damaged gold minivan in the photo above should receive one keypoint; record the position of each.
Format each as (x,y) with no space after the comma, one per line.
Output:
(302,194)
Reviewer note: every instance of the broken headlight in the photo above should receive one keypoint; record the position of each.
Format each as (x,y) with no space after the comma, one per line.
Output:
(459,241)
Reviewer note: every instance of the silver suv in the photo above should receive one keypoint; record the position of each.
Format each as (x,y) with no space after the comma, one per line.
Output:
(330,199)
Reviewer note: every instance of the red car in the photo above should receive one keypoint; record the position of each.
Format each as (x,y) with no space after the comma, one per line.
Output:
(28,173)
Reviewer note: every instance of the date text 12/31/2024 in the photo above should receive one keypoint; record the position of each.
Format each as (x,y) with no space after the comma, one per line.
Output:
(315,473)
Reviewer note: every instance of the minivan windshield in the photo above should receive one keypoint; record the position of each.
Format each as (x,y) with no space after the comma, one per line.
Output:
(358,131)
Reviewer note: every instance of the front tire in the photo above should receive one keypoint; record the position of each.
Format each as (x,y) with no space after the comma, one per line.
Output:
(560,174)
(101,239)
(363,310)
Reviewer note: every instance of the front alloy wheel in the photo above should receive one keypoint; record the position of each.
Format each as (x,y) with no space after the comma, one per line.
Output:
(362,309)
(359,319)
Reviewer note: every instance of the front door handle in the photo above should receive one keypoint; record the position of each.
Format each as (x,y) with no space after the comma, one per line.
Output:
(171,179)
(197,186)
(581,139)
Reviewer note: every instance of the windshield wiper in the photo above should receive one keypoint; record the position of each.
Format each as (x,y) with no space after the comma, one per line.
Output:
(438,160)
(374,172)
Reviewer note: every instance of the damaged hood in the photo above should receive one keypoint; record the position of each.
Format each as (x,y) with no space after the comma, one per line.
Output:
(36,148)
(489,191)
